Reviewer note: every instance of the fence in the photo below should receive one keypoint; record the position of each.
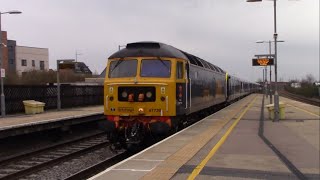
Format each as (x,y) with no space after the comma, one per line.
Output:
(71,96)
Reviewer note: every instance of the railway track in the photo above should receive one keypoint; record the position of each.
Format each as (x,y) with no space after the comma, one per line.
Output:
(99,167)
(28,163)
(300,98)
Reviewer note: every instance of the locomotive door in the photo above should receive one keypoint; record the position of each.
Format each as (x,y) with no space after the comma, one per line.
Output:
(182,88)
(188,87)
(227,86)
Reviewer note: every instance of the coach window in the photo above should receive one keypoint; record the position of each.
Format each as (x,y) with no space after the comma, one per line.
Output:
(179,70)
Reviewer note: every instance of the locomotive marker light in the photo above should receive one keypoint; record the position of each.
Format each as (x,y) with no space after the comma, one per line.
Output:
(149,94)
(3,104)
(124,94)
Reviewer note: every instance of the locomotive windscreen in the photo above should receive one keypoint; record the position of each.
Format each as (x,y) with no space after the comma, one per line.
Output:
(123,68)
(155,68)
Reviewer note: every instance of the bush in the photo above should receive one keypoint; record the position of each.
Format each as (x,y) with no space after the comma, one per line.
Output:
(307,91)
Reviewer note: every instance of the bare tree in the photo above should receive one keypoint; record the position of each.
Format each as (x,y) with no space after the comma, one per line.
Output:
(308,80)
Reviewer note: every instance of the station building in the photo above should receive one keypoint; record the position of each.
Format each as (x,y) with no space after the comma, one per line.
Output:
(21,59)
(31,58)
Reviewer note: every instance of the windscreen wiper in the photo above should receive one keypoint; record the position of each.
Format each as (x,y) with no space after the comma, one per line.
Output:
(118,62)
(158,58)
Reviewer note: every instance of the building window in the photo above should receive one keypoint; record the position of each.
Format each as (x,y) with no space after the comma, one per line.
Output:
(41,65)
(33,63)
(10,48)
(23,62)
(11,61)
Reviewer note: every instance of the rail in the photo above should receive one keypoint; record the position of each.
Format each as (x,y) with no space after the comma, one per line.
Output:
(25,164)
(300,98)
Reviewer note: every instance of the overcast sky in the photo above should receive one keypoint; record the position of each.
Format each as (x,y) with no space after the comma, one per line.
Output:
(223,32)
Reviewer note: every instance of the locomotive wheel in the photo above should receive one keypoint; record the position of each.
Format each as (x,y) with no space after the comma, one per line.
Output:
(132,147)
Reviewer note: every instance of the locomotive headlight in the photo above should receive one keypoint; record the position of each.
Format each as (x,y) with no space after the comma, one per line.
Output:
(149,94)
(111,98)
(124,94)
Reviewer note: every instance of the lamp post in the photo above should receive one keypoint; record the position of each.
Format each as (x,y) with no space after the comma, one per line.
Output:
(59,61)
(77,55)
(270,92)
(275,36)
(3,104)
(58,87)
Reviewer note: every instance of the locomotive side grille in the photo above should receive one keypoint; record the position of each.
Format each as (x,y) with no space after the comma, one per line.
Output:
(137,94)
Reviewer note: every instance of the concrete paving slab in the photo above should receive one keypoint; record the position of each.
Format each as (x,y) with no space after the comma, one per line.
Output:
(299,151)
(154,155)
(138,165)
(232,173)
(243,150)
(307,129)
(119,175)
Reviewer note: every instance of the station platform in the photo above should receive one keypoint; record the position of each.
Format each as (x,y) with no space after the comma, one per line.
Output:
(20,124)
(238,142)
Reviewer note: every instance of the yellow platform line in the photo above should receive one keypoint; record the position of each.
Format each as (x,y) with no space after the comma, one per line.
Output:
(306,111)
(200,166)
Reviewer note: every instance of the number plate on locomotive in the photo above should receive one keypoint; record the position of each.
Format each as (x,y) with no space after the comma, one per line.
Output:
(154,110)
(125,109)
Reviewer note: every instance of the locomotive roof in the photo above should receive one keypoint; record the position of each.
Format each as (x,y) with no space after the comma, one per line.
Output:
(157,49)
(149,49)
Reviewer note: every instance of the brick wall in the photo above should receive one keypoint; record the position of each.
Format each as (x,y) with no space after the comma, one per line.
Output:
(4,50)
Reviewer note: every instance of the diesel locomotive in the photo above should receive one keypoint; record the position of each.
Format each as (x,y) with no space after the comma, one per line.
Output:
(153,88)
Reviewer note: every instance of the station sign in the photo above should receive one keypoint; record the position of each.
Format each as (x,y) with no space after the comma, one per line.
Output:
(3,73)
(262,61)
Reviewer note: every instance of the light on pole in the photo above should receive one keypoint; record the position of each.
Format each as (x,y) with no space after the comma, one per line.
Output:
(270,87)
(3,104)
(275,36)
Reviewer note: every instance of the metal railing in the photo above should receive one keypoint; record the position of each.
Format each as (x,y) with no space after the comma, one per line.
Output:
(71,96)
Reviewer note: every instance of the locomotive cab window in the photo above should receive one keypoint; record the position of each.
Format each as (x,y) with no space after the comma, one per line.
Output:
(123,68)
(155,68)
(179,74)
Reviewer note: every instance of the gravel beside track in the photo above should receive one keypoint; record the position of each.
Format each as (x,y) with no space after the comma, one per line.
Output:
(17,145)
(67,169)
(20,166)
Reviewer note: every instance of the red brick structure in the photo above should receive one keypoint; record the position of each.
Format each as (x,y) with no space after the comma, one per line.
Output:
(4,49)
